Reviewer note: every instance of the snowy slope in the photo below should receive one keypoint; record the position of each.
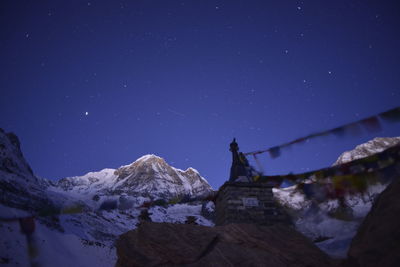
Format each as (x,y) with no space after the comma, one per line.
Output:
(54,248)
(86,239)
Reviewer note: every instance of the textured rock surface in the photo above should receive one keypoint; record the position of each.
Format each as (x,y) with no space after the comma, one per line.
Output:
(377,242)
(164,244)
(18,185)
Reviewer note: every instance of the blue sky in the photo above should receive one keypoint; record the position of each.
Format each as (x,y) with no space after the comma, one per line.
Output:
(94,84)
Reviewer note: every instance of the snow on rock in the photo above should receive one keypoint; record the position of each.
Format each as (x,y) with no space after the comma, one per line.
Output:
(291,198)
(178,213)
(369,148)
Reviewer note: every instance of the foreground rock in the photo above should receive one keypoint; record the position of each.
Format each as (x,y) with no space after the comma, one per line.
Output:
(165,244)
(377,242)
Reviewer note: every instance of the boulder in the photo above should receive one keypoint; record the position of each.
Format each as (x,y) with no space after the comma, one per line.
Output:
(377,242)
(166,244)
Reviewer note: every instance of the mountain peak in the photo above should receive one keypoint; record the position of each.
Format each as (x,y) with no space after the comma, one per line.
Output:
(149,176)
(149,157)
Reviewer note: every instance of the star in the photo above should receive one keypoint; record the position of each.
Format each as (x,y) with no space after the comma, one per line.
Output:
(86,113)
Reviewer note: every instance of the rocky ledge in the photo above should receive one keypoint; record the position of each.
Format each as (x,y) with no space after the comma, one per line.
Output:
(166,244)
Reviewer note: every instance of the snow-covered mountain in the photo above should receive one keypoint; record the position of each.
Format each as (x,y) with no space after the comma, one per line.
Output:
(317,222)
(369,148)
(149,176)
(104,205)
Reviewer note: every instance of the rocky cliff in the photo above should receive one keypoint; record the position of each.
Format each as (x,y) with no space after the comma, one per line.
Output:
(19,187)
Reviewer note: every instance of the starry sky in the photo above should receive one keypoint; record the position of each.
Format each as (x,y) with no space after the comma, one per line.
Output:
(88,85)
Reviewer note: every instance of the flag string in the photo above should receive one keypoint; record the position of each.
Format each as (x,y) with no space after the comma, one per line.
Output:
(370,124)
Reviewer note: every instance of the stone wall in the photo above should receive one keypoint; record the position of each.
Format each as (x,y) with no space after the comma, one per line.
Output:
(242,202)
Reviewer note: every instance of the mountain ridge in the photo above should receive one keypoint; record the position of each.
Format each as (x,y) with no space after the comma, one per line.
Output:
(376,145)
(149,175)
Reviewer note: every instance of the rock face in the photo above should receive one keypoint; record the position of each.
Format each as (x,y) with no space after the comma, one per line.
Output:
(19,187)
(148,176)
(164,244)
(11,158)
(369,148)
(377,240)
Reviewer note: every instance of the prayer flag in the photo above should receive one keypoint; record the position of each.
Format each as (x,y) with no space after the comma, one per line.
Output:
(275,152)
(392,115)
(339,131)
(353,129)
(371,124)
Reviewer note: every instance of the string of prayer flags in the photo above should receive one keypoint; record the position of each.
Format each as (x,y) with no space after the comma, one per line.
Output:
(349,178)
(370,124)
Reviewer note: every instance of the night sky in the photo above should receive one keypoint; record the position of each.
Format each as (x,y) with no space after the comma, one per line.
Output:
(90,85)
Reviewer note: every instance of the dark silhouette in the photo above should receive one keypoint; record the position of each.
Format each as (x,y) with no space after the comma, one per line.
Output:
(238,163)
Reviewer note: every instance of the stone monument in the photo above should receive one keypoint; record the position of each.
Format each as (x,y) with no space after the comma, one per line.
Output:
(240,200)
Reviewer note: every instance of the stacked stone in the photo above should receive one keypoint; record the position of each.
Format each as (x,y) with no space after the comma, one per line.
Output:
(242,202)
